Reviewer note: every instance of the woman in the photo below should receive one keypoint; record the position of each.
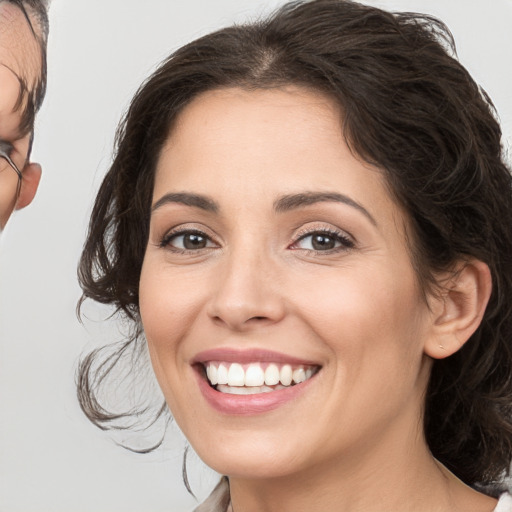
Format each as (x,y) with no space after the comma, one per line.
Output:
(308,219)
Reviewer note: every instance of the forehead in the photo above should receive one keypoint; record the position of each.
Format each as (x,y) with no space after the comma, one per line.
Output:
(247,147)
(18,43)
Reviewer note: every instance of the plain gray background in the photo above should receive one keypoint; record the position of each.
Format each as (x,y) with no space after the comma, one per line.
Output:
(51,458)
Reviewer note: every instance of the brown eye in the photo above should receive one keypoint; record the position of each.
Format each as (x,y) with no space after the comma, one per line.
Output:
(188,241)
(322,241)
(194,241)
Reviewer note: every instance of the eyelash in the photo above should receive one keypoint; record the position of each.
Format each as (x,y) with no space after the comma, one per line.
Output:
(344,242)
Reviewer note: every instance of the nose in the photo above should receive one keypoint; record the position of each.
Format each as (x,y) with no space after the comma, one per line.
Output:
(247,293)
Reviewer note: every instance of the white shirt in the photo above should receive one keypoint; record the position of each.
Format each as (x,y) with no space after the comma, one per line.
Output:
(505,503)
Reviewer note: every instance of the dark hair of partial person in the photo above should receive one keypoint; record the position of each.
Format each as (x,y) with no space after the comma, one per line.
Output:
(408,107)
(32,95)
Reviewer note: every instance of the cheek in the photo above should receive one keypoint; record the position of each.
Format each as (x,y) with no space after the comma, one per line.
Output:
(167,305)
(371,320)
(371,298)
(168,300)
(373,329)
(159,315)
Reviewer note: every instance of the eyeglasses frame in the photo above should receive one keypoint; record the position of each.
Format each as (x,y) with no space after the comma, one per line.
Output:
(5,149)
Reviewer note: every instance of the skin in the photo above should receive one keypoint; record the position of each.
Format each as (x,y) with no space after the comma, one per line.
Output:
(20,57)
(354,440)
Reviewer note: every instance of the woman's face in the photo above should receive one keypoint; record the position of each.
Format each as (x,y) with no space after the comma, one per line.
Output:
(277,254)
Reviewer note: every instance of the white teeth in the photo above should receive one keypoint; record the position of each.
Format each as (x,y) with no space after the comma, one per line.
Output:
(222,374)
(236,375)
(247,390)
(254,375)
(229,376)
(272,375)
(299,375)
(211,373)
(286,375)
(244,390)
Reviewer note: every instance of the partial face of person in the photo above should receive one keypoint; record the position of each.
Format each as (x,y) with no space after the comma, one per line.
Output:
(281,310)
(20,61)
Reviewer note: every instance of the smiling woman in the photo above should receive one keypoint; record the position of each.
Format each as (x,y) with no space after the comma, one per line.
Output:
(308,220)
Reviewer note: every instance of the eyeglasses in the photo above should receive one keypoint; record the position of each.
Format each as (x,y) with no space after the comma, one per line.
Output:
(5,150)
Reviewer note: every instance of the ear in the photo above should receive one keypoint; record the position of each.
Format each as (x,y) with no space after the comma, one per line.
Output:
(459,308)
(29,184)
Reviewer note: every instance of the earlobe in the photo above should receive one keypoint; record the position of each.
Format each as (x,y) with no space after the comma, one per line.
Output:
(29,184)
(459,308)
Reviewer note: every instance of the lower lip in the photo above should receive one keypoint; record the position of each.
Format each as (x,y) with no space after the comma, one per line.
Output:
(246,405)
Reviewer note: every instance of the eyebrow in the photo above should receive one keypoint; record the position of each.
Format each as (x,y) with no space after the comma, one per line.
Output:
(282,204)
(294,201)
(187,199)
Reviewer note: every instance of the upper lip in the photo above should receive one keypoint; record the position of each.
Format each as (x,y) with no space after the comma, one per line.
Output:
(235,355)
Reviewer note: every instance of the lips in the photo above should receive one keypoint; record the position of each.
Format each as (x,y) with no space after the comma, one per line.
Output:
(251,381)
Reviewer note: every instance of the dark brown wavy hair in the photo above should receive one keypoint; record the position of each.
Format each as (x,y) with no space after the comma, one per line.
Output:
(408,107)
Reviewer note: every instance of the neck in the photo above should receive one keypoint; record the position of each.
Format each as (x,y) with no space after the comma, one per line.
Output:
(402,478)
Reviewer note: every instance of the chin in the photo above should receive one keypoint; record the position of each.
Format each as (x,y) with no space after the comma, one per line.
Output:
(250,454)
(250,465)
